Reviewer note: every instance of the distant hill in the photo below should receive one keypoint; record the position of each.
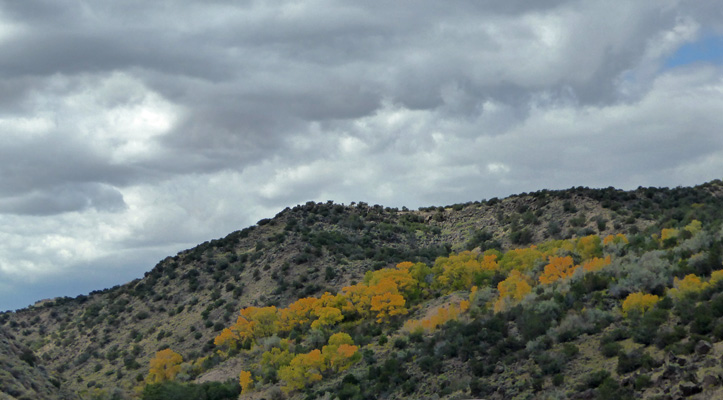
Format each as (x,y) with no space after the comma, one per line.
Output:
(565,338)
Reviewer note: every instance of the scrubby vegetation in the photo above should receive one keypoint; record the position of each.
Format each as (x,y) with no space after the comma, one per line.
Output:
(579,293)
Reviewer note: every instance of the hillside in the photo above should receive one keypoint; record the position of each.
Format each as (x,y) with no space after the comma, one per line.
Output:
(21,376)
(550,341)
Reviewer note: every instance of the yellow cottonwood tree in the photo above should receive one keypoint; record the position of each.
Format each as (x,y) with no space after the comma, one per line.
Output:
(297,313)
(303,370)
(639,302)
(401,277)
(246,381)
(461,271)
(589,246)
(688,285)
(340,353)
(512,290)
(615,239)
(521,259)
(716,276)
(694,227)
(164,366)
(326,316)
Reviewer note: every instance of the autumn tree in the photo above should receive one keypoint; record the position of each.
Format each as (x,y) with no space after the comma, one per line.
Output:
(669,236)
(521,259)
(512,290)
(263,319)
(359,301)
(400,276)
(303,370)
(246,381)
(298,313)
(589,246)
(615,239)
(253,323)
(325,317)
(689,285)
(461,271)
(420,272)
(164,366)
(693,227)
(715,277)
(275,359)
(340,353)
(439,317)
(596,264)
(639,303)
(388,305)
(558,268)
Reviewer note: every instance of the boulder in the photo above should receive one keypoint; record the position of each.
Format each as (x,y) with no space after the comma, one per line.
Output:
(671,371)
(689,388)
(711,381)
(703,347)
(671,358)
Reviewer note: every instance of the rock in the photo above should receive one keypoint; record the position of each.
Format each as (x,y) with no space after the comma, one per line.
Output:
(588,394)
(670,372)
(689,389)
(691,376)
(703,347)
(629,381)
(499,368)
(711,380)
(671,358)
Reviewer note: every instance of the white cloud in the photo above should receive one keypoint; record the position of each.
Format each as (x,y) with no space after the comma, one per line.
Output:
(128,133)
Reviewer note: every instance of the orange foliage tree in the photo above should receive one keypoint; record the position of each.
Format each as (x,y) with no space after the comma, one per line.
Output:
(558,268)
(615,239)
(388,305)
(596,264)
(400,276)
(441,316)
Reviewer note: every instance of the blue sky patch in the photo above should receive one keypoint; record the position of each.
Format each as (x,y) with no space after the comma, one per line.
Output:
(708,50)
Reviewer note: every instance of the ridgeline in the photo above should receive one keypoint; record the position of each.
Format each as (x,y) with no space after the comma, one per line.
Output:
(579,293)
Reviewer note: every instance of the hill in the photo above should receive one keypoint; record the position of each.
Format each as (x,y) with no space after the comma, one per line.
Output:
(566,337)
(21,376)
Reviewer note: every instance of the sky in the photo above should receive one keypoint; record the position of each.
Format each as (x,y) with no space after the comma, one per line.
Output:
(132,130)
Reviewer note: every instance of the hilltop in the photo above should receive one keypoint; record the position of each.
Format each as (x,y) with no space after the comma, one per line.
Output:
(564,338)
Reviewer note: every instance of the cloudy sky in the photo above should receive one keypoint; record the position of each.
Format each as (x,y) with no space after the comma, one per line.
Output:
(131,130)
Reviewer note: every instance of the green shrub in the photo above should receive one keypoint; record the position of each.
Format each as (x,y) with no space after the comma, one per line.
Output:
(596,378)
(643,381)
(610,349)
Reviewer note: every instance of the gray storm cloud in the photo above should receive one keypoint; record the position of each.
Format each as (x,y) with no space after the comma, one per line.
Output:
(146,127)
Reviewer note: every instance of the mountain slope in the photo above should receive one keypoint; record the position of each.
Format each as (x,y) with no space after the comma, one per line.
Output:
(104,341)
(22,376)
